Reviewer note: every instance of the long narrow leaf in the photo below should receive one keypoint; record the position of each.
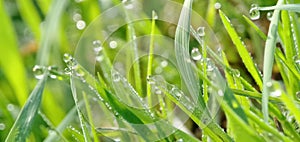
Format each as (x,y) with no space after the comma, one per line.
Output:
(22,126)
(242,50)
(268,60)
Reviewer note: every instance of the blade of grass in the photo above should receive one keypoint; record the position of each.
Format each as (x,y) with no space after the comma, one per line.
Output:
(23,124)
(80,115)
(256,28)
(14,70)
(90,117)
(131,35)
(64,123)
(30,16)
(202,120)
(290,7)
(49,34)
(242,50)
(150,58)
(291,106)
(268,61)
(182,51)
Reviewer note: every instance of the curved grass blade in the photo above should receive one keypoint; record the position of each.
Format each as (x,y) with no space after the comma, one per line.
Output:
(238,120)
(182,38)
(268,60)
(23,124)
(256,28)
(289,7)
(80,115)
(14,70)
(49,33)
(199,116)
(242,50)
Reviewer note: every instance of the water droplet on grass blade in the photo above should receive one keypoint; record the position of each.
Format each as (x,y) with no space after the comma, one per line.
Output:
(38,71)
(217,5)
(196,55)
(80,25)
(275,93)
(67,57)
(164,63)
(254,12)
(97,46)
(99,58)
(201,31)
(154,15)
(269,15)
(113,44)
(298,95)
(2,126)
(175,91)
(116,76)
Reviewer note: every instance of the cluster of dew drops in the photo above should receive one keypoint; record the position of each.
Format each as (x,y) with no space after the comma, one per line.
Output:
(254,12)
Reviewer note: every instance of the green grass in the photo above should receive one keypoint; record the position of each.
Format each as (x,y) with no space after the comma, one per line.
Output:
(149,87)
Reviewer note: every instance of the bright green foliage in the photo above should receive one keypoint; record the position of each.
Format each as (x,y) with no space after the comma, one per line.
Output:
(149,79)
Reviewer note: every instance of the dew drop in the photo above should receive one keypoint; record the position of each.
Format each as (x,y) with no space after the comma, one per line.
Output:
(254,12)
(237,73)
(150,80)
(217,5)
(220,93)
(269,15)
(80,25)
(68,71)
(76,17)
(2,126)
(67,57)
(196,55)
(99,58)
(164,63)
(210,65)
(38,71)
(10,107)
(116,77)
(128,4)
(179,140)
(276,93)
(175,91)
(79,72)
(269,84)
(298,95)
(97,46)
(158,70)
(113,44)
(201,31)
(154,15)
(52,70)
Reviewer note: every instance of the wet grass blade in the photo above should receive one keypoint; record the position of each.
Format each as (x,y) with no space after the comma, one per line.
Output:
(182,38)
(242,50)
(14,70)
(80,115)
(289,7)
(90,117)
(150,58)
(268,60)
(23,124)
